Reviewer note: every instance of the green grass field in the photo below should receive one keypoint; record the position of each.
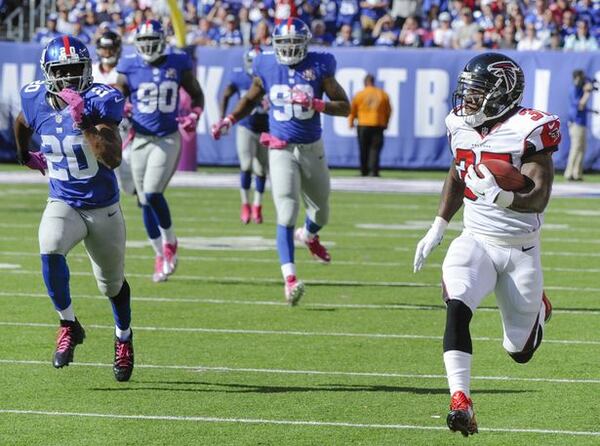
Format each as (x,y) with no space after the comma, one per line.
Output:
(221,360)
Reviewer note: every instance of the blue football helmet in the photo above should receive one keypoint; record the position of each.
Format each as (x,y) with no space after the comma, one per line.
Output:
(66,63)
(290,41)
(150,40)
(249,57)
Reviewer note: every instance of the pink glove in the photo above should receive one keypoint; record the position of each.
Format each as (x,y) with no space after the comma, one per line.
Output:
(127,110)
(75,103)
(188,122)
(37,161)
(272,142)
(222,127)
(307,101)
(128,138)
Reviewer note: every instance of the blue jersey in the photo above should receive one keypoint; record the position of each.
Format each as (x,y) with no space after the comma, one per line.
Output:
(76,177)
(258,120)
(287,121)
(154,91)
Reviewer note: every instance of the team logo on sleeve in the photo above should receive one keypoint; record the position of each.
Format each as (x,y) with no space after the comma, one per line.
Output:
(309,74)
(507,71)
(171,73)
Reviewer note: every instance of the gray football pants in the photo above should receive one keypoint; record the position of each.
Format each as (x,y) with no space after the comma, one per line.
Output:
(252,154)
(102,231)
(154,160)
(300,169)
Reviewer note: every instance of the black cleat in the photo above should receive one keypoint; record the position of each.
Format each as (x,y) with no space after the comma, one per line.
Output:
(70,334)
(123,363)
(461,417)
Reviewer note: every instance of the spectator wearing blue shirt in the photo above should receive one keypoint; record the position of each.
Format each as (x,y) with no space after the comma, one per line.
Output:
(385,33)
(345,39)
(371,11)
(48,33)
(578,98)
(230,35)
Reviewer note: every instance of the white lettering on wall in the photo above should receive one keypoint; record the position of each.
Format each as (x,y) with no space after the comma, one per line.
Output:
(431,103)
(391,79)
(209,79)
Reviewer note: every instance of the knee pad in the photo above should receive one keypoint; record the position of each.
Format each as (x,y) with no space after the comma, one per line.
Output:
(111,288)
(532,344)
(457,335)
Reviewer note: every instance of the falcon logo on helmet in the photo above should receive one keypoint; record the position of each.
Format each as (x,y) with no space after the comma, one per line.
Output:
(66,63)
(290,41)
(507,71)
(490,85)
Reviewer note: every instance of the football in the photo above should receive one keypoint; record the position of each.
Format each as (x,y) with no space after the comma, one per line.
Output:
(507,176)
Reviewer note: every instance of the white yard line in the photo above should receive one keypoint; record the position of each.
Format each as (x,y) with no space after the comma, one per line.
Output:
(265,280)
(273,261)
(325,334)
(225,369)
(271,303)
(340,424)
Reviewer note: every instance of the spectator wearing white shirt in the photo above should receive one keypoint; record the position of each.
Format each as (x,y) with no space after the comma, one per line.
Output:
(443,35)
(530,41)
(582,40)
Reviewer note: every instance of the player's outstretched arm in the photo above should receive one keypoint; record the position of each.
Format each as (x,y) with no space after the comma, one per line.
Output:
(122,85)
(23,137)
(450,203)
(105,142)
(229,91)
(250,100)
(540,169)
(191,85)
(338,104)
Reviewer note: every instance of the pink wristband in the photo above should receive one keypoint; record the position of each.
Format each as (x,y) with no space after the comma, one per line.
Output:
(318,105)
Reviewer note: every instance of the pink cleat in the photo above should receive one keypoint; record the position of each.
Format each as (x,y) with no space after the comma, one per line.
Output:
(159,275)
(547,307)
(170,253)
(245,213)
(318,251)
(294,290)
(257,214)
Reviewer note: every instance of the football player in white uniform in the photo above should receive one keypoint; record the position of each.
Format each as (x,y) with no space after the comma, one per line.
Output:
(108,50)
(499,248)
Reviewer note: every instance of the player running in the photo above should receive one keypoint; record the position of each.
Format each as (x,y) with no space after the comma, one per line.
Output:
(104,71)
(253,156)
(499,249)
(77,121)
(151,79)
(294,80)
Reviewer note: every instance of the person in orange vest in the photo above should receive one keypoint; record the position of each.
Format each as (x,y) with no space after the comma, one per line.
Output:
(372,108)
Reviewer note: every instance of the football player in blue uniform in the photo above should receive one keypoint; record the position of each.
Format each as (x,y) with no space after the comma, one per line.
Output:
(77,121)
(151,78)
(252,154)
(294,80)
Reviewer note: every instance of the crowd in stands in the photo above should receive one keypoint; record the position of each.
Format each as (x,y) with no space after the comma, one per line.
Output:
(451,24)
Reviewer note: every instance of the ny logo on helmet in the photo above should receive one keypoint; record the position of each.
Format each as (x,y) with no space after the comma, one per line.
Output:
(507,71)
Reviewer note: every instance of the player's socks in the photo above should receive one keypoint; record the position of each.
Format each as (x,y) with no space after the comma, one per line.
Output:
(245,182)
(310,228)
(458,371)
(288,269)
(161,209)
(150,222)
(123,335)
(56,278)
(168,235)
(121,306)
(285,244)
(157,245)
(259,189)
(67,314)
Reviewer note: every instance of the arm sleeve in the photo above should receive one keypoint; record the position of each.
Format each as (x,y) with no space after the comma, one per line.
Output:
(544,138)
(110,108)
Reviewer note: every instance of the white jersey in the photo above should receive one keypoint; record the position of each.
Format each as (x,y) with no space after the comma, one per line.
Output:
(526,132)
(108,78)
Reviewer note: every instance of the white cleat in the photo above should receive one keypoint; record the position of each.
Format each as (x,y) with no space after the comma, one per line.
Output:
(294,290)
